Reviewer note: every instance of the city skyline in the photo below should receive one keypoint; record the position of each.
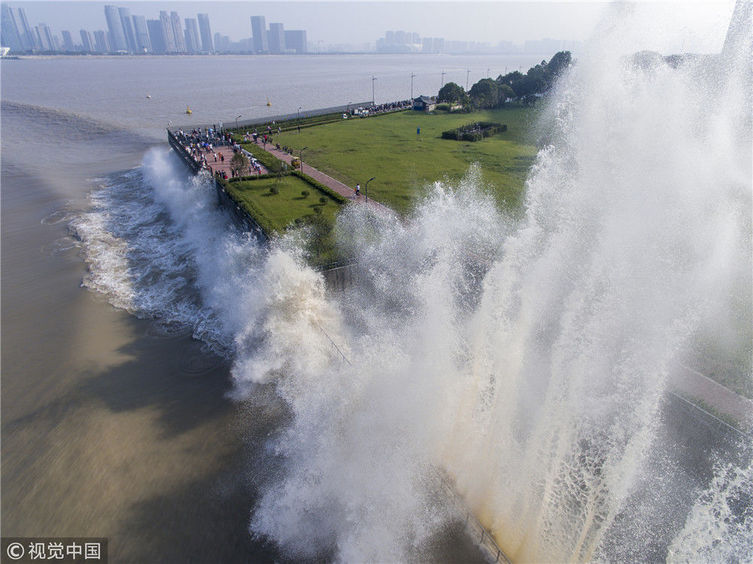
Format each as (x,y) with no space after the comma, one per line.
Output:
(338,26)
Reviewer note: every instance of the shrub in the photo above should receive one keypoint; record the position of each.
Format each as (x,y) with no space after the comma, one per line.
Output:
(305,193)
(443,107)
(274,190)
(474,131)
(339,198)
(322,200)
(270,162)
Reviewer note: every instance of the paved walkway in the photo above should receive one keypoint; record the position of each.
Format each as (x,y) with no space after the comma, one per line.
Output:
(221,166)
(330,182)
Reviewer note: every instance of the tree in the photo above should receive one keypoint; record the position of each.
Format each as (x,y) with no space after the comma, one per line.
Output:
(510,78)
(451,93)
(557,65)
(239,163)
(505,92)
(485,93)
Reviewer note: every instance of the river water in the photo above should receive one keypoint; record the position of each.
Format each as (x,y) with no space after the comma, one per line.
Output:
(169,384)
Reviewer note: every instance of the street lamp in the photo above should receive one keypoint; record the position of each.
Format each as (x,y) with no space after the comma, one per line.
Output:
(373,78)
(366,188)
(236,121)
(301,157)
(412,76)
(299,120)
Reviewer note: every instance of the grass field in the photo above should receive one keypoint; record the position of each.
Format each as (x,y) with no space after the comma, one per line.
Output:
(404,163)
(283,208)
(275,212)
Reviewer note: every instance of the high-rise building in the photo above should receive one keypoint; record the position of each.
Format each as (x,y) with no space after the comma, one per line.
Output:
(259,34)
(141,31)
(126,22)
(45,37)
(276,38)
(11,36)
(180,41)
(115,27)
(67,41)
(28,37)
(193,43)
(295,40)
(221,43)
(157,36)
(101,44)
(87,41)
(206,33)
(167,33)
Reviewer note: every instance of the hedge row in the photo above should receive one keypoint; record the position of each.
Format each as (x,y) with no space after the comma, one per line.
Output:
(270,162)
(339,198)
(474,131)
(253,177)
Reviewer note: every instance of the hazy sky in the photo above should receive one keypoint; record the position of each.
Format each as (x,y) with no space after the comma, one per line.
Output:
(364,22)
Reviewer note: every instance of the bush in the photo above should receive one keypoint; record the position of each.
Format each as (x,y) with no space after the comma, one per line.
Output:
(274,190)
(339,198)
(443,107)
(322,200)
(270,162)
(305,193)
(474,131)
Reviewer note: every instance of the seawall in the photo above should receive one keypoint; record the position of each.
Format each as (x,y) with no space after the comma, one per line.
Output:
(337,278)
(242,218)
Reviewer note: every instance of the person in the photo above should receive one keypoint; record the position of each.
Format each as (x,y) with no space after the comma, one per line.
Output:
(358,190)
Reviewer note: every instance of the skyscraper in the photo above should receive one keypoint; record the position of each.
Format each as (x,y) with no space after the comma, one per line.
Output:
(126,22)
(276,38)
(167,33)
(100,42)
(193,43)
(180,41)
(28,38)
(295,39)
(44,34)
(259,33)
(143,43)
(87,41)
(67,41)
(10,31)
(115,26)
(157,36)
(206,33)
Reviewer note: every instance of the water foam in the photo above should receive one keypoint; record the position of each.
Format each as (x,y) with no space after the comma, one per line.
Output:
(541,389)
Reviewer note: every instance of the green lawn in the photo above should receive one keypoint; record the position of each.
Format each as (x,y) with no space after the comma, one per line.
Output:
(276,212)
(404,163)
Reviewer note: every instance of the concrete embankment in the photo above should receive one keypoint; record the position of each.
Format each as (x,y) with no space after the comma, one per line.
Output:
(244,219)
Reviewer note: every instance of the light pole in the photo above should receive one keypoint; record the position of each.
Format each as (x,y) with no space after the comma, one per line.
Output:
(366,188)
(467,76)
(373,78)
(412,76)
(299,120)
(441,85)
(301,157)
(236,121)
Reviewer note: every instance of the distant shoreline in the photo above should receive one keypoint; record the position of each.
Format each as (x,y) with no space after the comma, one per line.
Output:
(327,54)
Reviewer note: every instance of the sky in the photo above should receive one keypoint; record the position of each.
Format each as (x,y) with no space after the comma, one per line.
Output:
(356,23)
